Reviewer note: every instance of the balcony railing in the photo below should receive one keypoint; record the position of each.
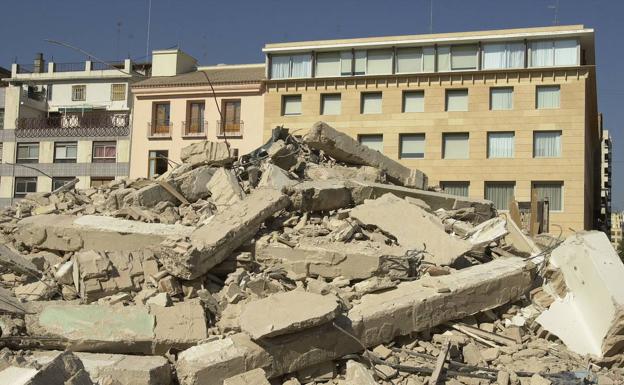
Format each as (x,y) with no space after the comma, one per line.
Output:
(109,65)
(195,128)
(229,129)
(25,68)
(159,129)
(75,124)
(69,67)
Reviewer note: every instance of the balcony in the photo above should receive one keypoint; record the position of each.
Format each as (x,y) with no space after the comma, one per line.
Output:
(229,129)
(159,130)
(194,129)
(70,67)
(100,123)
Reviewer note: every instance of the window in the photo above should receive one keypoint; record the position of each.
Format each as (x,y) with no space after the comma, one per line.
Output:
(413,101)
(194,117)
(79,93)
(500,145)
(1,118)
(379,62)
(408,60)
(346,63)
(100,181)
(370,103)
(161,118)
(411,146)
(27,153)
(291,66)
(551,190)
(501,98)
(455,146)
(58,182)
(500,193)
(330,104)
(104,152)
(548,97)
(24,185)
(548,53)
(118,92)
(428,59)
(503,55)
(456,188)
(464,57)
(372,141)
(65,152)
(328,64)
(158,163)
(291,105)
(547,144)
(457,100)
(232,110)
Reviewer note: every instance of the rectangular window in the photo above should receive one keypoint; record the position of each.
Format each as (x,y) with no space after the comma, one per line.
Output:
(457,100)
(548,97)
(413,101)
(503,55)
(104,152)
(291,105)
(501,98)
(232,110)
(412,146)
(65,152)
(464,57)
(79,93)
(379,62)
(500,193)
(370,103)
(408,60)
(161,118)
(157,163)
(551,190)
(548,53)
(456,188)
(547,144)
(374,141)
(58,182)
(195,117)
(27,153)
(346,61)
(24,185)
(100,181)
(428,59)
(328,64)
(360,62)
(444,58)
(330,104)
(500,145)
(291,66)
(118,92)
(1,118)
(455,146)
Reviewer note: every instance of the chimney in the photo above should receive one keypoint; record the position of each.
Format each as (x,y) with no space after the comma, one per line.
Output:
(39,63)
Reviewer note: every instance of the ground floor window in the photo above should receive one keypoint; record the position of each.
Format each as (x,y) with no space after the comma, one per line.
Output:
(553,191)
(24,185)
(158,163)
(500,193)
(456,188)
(59,182)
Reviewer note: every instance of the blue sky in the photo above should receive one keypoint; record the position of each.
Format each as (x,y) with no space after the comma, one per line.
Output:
(234,32)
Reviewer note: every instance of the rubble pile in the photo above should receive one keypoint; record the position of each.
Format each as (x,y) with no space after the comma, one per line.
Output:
(312,260)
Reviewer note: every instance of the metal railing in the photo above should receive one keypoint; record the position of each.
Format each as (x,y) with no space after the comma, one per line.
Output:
(76,120)
(69,67)
(98,66)
(194,128)
(159,129)
(25,68)
(229,129)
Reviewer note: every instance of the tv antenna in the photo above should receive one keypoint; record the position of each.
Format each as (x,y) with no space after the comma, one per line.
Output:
(149,22)
(556,8)
(430,16)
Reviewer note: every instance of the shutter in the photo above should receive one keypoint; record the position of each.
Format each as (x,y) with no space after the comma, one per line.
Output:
(457,100)
(413,146)
(456,146)
(379,62)
(464,57)
(413,101)
(501,98)
(331,105)
(328,64)
(371,103)
(409,60)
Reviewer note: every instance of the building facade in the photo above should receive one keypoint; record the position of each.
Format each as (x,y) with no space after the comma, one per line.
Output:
(492,114)
(182,104)
(617,224)
(65,120)
(606,157)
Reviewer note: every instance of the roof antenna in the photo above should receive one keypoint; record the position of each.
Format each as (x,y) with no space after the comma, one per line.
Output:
(430,16)
(556,8)
(149,22)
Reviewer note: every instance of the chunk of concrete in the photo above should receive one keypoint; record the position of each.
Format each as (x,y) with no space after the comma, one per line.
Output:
(17,263)
(489,231)
(194,183)
(357,374)
(149,196)
(348,150)
(224,189)
(207,153)
(290,311)
(589,318)
(413,227)
(36,291)
(320,195)
(63,368)
(276,178)
(252,377)
(9,304)
(215,241)
(338,172)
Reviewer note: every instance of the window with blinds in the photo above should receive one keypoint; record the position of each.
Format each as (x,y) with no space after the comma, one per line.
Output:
(500,145)
(370,103)
(548,97)
(408,60)
(456,100)
(413,101)
(553,191)
(456,188)
(548,53)
(291,66)
(411,146)
(379,62)
(291,105)
(464,57)
(330,104)
(328,64)
(547,144)
(455,146)
(501,98)
(118,92)
(500,193)
(503,55)
(374,141)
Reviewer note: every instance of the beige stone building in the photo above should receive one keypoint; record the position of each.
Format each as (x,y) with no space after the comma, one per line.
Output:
(617,222)
(182,103)
(490,114)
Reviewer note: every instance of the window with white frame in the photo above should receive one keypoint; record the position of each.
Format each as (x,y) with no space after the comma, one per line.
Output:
(65,152)
(500,193)
(411,146)
(24,185)
(547,144)
(104,152)
(330,104)
(500,145)
(27,153)
(370,103)
(457,100)
(79,93)
(409,60)
(503,55)
(456,188)
(291,105)
(374,141)
(455,145)
(553,191)
(379,62)
(413,101)
(548,53)
(548,97)
(464,57)
(291,66)
(328,64)
(501,98)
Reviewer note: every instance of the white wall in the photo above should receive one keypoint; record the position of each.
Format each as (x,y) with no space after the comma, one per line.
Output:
(98,93)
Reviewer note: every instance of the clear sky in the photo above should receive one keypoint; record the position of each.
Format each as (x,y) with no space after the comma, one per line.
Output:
(234,31)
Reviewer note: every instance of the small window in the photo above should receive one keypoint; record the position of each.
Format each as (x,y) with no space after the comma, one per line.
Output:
(330,104)
(1,118)
(548,97)
(118,92)
(412,146)
(24,185)
(374,141)
(79,93)
(370,103)
(457,100)
(553,191)
(58,182)
(291,105)
(501,98)
(464,57)
(158,163)
(97,182)
(456,188)
(379,62)
(547,144)
(500,145)
(500,193)
(413,101)
(27,153)
(455,146)
(65,152)
(104,152)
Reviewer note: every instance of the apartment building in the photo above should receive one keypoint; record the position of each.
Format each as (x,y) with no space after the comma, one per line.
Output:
(65,120)
(617,224)
(4,73)
(606,157)
(183,103)
(489,114)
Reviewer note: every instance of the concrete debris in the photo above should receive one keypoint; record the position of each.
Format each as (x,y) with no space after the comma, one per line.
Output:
(252,377)
(357,374)
(224,189)
(207,153)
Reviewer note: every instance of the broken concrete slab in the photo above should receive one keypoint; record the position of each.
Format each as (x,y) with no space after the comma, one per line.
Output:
(36,291)
(9,304)
(194,183)
(252,377)
(338,172)
(149,196)
(487,232)
(589,318)
(357,374)
(276,178)
(17,263)
(320,195)
(62,368)
(290,311)
(224,189)
(207,153)
(215,241)
(345,149)
(413,227)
